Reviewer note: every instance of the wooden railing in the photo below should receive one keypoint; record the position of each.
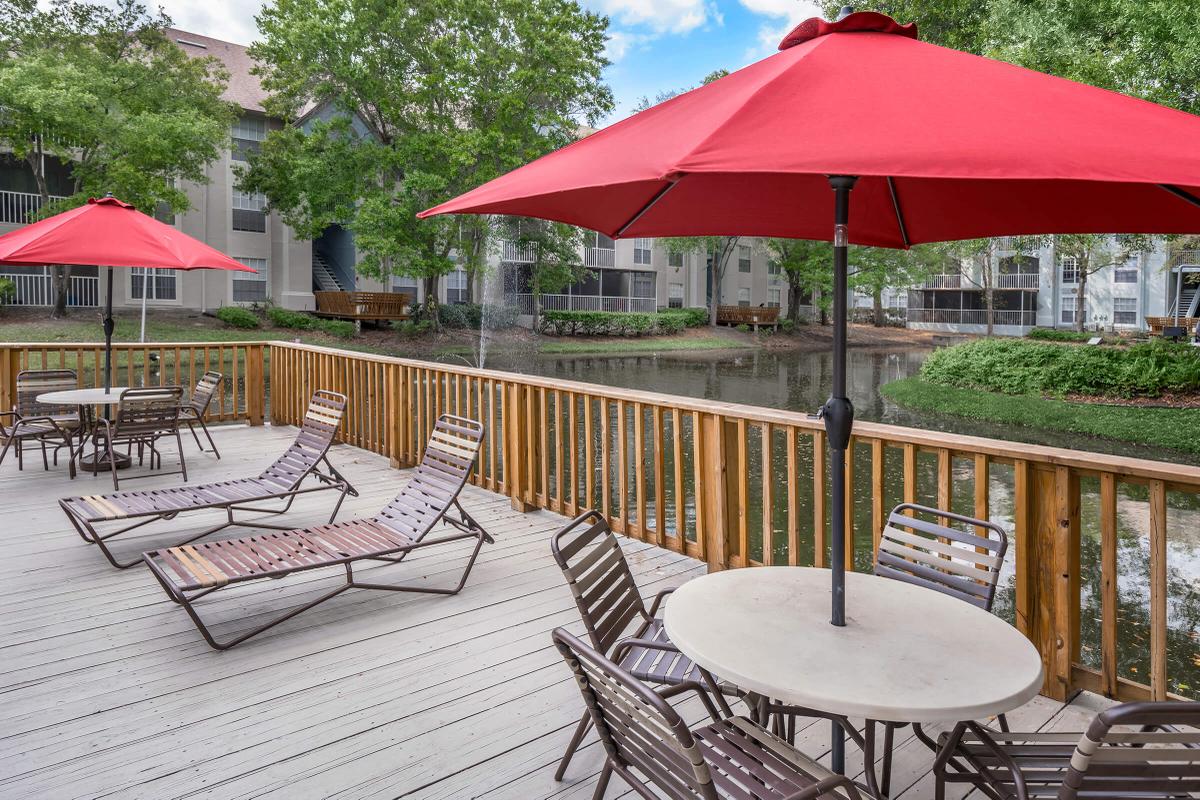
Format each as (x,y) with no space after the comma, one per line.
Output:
(1091,578)
(747,315)
(363,305)
(243,391)
(738,485)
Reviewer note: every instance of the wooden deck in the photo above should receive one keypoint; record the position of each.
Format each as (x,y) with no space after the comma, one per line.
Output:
(109,692)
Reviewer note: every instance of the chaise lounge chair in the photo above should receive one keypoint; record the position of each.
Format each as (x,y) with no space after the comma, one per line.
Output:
(190,572)
(280,481)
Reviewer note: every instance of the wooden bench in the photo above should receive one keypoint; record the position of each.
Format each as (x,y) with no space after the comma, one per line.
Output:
(1157,324)
(360,306)
(747,315)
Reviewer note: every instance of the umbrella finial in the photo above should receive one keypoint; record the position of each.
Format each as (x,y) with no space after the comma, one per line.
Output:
(845,12)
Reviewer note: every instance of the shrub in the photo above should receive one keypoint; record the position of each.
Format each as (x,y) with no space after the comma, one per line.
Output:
(460,316)
(409,327)
(283,318)
(237,317)
(499,316)
(342,329)
(8,290)
(787,325)
(610,323)
(743,328)
(1056,335)
(1015,366)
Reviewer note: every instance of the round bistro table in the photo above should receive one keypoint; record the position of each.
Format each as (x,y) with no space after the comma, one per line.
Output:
(86,399)
(906,653)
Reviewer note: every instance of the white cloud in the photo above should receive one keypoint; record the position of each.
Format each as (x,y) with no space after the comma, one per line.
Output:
(228,20)
(784,15)
(661,16)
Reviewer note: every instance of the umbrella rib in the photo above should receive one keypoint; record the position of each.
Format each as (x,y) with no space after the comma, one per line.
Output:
(899,215)
(653,200)
(1182,194)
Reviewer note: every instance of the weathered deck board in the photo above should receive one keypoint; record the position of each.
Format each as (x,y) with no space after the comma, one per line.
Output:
(110,692)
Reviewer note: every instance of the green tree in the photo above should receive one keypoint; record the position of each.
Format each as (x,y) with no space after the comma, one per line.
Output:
(874,269)
(716,251)
(103,89)
(806,266)
(1092,253)
(428,100)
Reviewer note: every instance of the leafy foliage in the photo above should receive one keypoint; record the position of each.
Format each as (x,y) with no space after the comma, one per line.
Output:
(610,323)
(8,290)
(237,317)
(1057,335)
(298,320)
(1175,428)
(1021,367)
(418,103)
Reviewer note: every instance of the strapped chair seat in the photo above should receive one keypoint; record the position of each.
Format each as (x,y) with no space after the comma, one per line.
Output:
(189,572)
(1143,750)
(280,481)
(30,421)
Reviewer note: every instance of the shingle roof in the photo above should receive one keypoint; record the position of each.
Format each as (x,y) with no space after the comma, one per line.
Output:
(244,88)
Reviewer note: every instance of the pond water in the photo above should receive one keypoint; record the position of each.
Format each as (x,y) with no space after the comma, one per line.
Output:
(801,381)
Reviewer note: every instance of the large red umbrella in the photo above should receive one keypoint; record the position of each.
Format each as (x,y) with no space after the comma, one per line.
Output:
(918,143)
(106,232)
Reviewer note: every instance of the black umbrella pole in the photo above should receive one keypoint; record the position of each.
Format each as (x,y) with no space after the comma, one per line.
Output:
(109,326)
(838,414)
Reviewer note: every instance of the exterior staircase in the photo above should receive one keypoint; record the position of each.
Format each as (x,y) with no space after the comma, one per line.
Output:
(324,278)
(1188,304)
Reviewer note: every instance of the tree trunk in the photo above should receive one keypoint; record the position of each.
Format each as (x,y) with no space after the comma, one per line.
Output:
(878,312)
(714,278)
(59,275)
(822,314)
(793,298)
(1081,298)
(989,302)
(430,307)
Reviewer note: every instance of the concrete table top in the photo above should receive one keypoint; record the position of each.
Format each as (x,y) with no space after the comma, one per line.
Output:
(906,654)
(83,397)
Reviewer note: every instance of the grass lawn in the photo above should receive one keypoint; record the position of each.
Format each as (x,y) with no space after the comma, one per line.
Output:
(1174,428)
(648,345)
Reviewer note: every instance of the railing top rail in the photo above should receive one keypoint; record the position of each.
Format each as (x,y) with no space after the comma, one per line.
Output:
(1122,466)
(129,345)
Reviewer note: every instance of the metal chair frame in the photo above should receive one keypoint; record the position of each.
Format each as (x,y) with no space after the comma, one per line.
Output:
(1146,750)
(608,600)
(193,411)
(302,460)
(391,536)
(647,742)
(143,417)
(30,420)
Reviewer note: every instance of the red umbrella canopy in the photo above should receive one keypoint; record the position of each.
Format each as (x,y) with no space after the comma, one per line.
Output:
(106,232)
(947,145)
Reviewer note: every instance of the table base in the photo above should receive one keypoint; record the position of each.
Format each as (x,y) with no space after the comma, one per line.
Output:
(101,463)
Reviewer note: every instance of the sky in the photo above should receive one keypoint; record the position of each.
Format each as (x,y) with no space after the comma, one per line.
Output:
(654,45)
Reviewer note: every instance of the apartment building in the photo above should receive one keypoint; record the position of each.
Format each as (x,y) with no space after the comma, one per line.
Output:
(1041,289)
(231,221)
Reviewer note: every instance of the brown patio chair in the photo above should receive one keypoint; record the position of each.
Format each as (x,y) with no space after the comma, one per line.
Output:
(282,481)
(40,423)
(648,745)
(190,572)
(959,563)
(590,556)
(192,412)
(144,416)
(1134,750)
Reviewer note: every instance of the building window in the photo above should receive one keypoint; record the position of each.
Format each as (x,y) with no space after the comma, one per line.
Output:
(248,134)
(1070,269)
(159,284)
(456,287)
(249,212)
(743,296)
(773,297)
(405,285)
(1067,315)
(249,288)
(675,259)
(642,252)
(675,295)
(743,258)
(642,285)
(1125,275)
(773,268)
(1125,311)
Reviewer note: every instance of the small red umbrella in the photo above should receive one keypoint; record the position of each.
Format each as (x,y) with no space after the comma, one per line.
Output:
(106,232)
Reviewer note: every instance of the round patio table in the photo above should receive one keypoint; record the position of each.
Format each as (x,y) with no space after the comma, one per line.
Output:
(906,653)
(86,399)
